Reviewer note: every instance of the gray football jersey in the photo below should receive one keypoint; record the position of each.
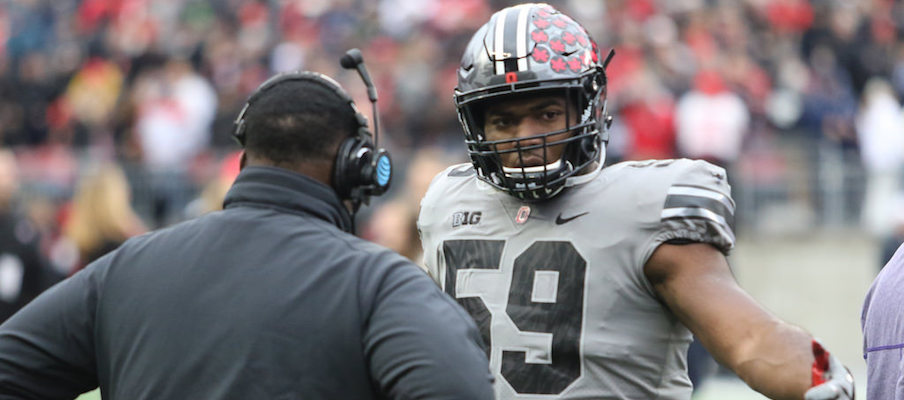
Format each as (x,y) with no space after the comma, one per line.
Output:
(557,287)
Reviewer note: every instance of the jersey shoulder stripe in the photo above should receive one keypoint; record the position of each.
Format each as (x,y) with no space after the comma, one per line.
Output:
(683,201)
(461,170)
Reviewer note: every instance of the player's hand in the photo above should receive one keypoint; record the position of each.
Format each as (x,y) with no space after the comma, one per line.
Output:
(831,379)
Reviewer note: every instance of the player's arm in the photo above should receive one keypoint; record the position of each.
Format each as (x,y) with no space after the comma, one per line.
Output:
(772,356)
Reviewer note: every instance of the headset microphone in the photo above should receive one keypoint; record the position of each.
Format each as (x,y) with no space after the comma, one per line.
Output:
(354,60)
(374,163)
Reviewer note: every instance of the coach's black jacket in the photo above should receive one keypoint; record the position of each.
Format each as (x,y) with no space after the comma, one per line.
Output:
(269,299)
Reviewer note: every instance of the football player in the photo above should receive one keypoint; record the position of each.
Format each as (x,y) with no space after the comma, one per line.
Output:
(588,282)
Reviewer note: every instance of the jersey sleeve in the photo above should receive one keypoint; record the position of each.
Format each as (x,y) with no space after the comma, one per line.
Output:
(696,207)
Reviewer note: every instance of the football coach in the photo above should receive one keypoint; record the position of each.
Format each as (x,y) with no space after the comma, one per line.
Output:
(271,298)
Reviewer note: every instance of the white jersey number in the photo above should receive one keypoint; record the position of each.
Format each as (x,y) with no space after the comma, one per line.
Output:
(546,296)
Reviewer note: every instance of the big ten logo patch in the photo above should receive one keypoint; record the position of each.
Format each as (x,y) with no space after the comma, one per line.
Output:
(466,218)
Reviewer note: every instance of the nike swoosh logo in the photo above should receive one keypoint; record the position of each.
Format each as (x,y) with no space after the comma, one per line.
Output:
(560,220)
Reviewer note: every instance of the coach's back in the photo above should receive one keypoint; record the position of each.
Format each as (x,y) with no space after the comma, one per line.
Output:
(269,298)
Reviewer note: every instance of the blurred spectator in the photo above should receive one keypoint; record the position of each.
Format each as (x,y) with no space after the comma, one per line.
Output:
(100,216)
(175,109)
(92,94)
(880,130)
(648,112)
(213,193)
(897,73)
(34,92)
(24,273)
(711,121)
(829,102)
(156,83)
(394,225)
(829,106)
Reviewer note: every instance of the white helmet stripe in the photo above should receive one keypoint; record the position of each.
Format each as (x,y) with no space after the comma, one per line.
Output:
(499,41)
(521,38)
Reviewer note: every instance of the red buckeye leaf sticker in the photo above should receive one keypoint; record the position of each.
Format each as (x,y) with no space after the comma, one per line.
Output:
(575,64)
(558,64)
(540,55)
(541,23)
(539,36)
(569,38)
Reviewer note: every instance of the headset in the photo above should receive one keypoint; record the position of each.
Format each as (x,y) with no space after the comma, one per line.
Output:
(362,169)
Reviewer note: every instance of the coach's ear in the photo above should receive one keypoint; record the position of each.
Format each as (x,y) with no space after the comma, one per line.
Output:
(242,161)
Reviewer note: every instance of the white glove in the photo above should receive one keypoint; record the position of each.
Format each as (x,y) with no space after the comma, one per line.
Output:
(831,379)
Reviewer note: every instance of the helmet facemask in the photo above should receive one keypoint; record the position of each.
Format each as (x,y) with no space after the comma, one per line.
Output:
(523,177)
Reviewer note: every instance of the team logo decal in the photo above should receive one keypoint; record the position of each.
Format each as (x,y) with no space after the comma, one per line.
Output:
(541,23)
(539,36)
(575,64)
(569,38)
(540,54)
(557,46)
(560,22)
(466,218)
(558,64)
(566,49)
(521,216)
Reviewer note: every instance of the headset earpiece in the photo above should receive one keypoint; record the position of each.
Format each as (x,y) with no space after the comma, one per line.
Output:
(342,168)
(360,171)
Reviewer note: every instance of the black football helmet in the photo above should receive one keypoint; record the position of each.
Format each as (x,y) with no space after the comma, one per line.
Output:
(527,49)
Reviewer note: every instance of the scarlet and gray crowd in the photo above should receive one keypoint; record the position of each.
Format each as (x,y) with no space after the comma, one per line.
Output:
(152,87)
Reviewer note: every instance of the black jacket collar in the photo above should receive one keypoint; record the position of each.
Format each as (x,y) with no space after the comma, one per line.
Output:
(279,187)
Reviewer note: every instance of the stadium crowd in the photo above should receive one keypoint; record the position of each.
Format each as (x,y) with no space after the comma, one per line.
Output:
(762,87)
